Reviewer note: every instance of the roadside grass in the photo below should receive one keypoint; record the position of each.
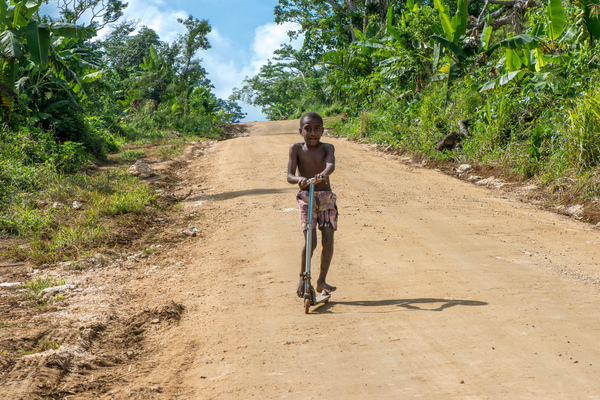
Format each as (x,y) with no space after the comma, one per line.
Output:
(555,141)
(131,155)
(57,230)
(35,287)
(56,205)
(44,216)
(44,346)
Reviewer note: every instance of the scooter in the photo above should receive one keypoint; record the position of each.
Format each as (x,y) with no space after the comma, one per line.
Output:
(310,296)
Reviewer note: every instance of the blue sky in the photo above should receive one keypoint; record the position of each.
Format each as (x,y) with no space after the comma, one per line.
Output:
(243,36)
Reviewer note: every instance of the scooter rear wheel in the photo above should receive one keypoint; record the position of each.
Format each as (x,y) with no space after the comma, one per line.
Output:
(306,305)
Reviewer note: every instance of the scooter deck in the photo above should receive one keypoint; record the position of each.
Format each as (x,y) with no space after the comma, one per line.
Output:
(321,299)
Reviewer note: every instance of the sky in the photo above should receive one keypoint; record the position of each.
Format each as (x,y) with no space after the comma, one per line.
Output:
(243,37)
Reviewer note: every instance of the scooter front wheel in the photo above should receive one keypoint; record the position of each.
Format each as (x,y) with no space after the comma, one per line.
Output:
(306,305)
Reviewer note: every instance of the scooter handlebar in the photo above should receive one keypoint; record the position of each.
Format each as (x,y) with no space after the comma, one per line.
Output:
(314,179)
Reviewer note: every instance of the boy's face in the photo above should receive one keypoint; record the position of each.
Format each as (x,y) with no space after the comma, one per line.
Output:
(311,130)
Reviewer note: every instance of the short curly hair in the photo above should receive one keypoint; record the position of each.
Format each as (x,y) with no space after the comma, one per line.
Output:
(311,115)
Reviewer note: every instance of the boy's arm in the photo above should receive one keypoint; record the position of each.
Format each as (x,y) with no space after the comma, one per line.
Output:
(329,161)
(293,166)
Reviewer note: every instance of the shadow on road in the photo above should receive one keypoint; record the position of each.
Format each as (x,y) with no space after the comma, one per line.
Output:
(425,304)
(240,193)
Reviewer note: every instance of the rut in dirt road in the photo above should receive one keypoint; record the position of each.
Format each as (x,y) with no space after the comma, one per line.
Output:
(446,290)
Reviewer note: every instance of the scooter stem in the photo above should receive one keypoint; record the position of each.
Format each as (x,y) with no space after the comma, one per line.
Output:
(309,230)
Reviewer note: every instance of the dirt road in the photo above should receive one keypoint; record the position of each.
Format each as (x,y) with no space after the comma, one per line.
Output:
(446,290)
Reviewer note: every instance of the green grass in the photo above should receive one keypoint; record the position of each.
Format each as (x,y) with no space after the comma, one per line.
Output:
(36,287)
(56,233)
(131,155)
(555,140)
(170,151)
(44,346)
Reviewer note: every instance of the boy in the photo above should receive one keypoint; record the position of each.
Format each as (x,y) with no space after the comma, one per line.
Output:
(312,158)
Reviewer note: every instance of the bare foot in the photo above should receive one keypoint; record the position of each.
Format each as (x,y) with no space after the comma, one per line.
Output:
(300,290)
(323,286)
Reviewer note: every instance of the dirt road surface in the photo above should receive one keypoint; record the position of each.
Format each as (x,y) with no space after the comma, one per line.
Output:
(446,290)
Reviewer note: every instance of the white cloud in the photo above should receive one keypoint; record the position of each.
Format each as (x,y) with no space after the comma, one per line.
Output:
(227,67)
(162,21)
(267,39)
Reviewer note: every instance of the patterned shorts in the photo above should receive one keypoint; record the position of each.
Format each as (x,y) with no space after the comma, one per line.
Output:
(325,212)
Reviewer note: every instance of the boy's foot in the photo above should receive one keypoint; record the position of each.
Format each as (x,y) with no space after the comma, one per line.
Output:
(327,288)
(300,290)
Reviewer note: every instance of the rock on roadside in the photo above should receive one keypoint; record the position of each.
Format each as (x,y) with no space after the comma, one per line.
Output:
(141,169)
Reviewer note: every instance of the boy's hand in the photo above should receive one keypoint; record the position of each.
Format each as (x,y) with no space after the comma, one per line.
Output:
(302,182)
(319,178)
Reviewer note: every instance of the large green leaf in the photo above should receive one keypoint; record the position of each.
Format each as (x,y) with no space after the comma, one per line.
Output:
(540,61)
(38,42)
(3,14)
(72,31)
(358,33)
(438,30)
(19,20)
(486,34)
(436,56)
(489,85)
(511,76)
(444,18)
(10,45)
(389,17)
(520,42)
(372,30)
(513,62)
(31,7)
(556,13)
(449,45)
(371,45)
(460,20)
(7,72)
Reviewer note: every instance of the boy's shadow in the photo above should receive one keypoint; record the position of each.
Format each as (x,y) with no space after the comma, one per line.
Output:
(423,304)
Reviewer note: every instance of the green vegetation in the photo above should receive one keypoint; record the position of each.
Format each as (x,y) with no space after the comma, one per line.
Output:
(56,230)
(404,73)
(36,287)
(45,345)
(69,100)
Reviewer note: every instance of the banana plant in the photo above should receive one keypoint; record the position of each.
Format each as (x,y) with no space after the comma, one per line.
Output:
(151,64)
(30,49)
(589,17)
(453,29)
(534,54)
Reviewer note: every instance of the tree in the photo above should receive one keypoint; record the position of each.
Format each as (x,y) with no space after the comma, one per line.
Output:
(274,89)
(98,13)
(125,52)
(191,73)
(41,59)
(330,24)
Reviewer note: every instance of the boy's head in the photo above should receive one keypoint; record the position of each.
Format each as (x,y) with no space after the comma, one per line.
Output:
(311,128)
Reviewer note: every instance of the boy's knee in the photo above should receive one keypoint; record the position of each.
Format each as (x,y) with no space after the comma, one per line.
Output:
(327,238)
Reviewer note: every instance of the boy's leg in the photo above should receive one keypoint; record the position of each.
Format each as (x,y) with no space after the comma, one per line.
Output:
(326,256)
(300,290)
